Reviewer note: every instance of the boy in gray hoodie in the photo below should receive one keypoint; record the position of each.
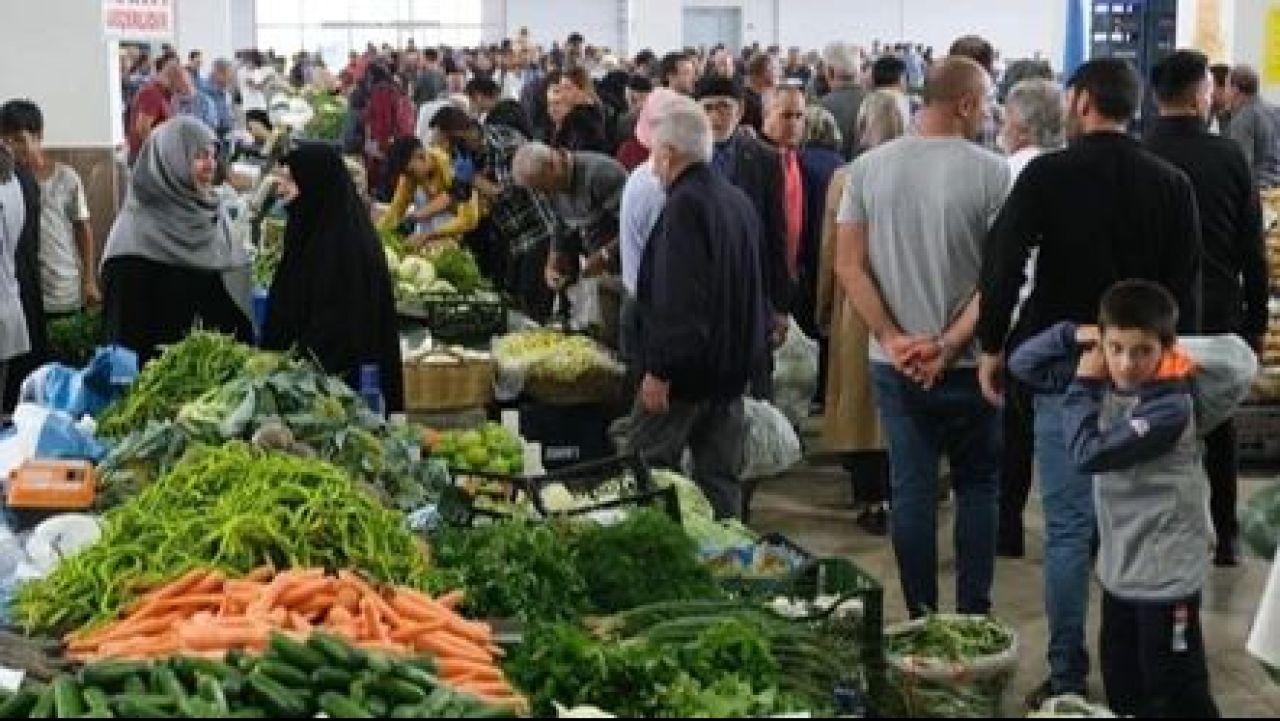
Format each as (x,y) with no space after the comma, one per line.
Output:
(1138,404)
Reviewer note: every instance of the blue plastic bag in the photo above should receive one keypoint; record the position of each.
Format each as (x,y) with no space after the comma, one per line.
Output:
(87,391)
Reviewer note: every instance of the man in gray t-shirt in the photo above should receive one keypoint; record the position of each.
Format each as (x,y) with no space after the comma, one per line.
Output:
(912,223)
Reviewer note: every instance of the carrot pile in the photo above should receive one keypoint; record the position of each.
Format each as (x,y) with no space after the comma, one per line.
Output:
(206,614)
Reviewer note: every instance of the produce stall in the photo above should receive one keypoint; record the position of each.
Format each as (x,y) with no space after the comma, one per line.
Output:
(1258,421)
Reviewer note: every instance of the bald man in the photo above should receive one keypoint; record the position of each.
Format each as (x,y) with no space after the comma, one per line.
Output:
(911,227)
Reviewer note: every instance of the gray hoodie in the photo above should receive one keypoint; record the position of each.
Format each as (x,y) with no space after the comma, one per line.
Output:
(1145,450)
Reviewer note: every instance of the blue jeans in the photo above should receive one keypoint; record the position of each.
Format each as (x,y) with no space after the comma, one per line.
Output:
(920,425)
(1069,523)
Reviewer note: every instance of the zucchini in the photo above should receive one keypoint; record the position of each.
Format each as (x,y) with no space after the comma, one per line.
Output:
(329,678)
(67,701)
(407,711)
(159,701)
(237,659)
(378,706)
(380,664)
(247,713)
(278,699)
(167,683)
(193,668)
(338,706)
(111,676)
(438,702)
(339,653)
(135,685)
(399,691)
(136,707)
(296,654)
(19,704)
(284,674)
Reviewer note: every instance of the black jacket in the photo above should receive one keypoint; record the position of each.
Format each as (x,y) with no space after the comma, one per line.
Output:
(1101,211)
(702,310)
(1235,261)
(756,169)
(583,129)
(27,269)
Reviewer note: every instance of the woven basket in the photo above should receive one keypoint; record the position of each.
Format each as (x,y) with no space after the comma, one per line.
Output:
(464,383)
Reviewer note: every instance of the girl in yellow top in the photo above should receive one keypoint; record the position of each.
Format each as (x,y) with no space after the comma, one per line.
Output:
(429,169)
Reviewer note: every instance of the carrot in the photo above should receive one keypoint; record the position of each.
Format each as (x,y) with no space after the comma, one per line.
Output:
(388,647)
(298,622)
(452,600)
(457,666)
(410,631)
(322,601)
(491,674)
(444,647)
(261,574)
(145,647)
(409,608)
(303,591)
(208,637)
(488,688)
(339,615)
(347,597)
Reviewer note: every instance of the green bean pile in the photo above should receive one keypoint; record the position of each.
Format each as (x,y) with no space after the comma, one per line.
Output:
(183,373)
(232,508)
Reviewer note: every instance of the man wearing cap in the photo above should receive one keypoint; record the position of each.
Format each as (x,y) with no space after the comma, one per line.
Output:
(756,169)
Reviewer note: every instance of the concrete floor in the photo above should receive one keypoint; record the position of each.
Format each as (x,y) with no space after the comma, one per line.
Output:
(812,507)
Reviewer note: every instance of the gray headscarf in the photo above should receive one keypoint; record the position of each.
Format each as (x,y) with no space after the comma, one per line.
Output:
(168,220)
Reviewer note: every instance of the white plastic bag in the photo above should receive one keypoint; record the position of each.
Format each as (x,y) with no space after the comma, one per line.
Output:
(584,303)
(772,446)
(795,374)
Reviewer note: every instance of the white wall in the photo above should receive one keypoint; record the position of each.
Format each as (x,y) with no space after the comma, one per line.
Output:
(553,20)
(758,19)
(244,25)
(81,97)
(1249,39)
(653,25)
(204,25)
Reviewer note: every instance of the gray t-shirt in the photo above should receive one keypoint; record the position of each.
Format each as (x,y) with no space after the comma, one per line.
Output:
(62,205)
(928,204)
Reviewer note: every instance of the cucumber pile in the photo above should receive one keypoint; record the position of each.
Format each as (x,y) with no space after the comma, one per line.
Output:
(289,680)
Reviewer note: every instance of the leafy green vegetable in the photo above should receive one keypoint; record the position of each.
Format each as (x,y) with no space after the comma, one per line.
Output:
(458,266)
(644,559)
(699,518)
(514,570)
(184,372)
(330,115)
(951,639)
(74,338)
(232,508)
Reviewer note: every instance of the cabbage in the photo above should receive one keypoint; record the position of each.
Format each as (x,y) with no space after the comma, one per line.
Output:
(393,262)
(698,517)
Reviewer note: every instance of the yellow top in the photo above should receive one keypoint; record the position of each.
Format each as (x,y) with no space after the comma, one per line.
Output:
(466,214)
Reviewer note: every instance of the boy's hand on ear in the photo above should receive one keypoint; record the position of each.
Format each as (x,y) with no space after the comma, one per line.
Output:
(1093,364)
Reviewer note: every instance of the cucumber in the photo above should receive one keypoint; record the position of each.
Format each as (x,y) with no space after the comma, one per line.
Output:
(436,703)
(159,701)
(99,713)
(277,698)
(135,685)
(285,674)
(338,706)
(329,678)
(43,707)
(380,664)
(167,683)
(237,659)
(247,713)
(111,675)
(209,690)
(338,653)
(416,676)
(96,700)
(407,711)
(378,706)
(296,654)
(399,691)
(192,668)
(67,701)
(19,704)
(135,707)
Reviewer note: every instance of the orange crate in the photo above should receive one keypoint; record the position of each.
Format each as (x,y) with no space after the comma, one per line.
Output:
(52,485)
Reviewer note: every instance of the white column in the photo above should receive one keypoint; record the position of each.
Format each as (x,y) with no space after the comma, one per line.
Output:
(80,96)
(657,25)
(1251,45)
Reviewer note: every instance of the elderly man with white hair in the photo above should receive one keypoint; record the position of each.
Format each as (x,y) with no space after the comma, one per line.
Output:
(585,190)
(844,68)
(703,313)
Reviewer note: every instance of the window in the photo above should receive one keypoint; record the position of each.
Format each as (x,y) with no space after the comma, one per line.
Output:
(335,27)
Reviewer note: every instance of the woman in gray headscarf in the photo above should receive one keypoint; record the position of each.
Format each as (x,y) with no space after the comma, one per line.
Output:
(171,261)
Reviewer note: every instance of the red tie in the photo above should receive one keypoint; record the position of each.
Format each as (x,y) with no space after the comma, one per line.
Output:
(794,190)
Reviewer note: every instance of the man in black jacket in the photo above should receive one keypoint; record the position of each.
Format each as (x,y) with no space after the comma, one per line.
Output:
(756,169)
(1234,282)
(702,313)
(1101,211)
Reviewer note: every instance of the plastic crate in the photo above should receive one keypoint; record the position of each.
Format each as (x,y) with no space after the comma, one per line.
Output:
(638,489)
(457,319)
(458,501)
(844,580)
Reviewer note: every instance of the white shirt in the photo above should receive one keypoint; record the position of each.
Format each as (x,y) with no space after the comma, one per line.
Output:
(13,323)
(62,205)
(643,199)
(1021,159)
(253,95)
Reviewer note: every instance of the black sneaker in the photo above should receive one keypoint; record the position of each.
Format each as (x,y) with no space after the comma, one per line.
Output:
(875,520)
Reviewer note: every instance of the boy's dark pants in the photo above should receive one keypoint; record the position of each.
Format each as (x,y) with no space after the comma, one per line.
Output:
(1149,668)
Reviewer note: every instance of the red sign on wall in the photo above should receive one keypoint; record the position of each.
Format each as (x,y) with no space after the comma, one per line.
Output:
(138,18)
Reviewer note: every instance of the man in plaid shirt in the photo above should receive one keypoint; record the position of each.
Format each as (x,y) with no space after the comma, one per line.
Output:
(522,220)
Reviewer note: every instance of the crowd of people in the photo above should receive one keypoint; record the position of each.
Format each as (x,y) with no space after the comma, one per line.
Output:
(996,266)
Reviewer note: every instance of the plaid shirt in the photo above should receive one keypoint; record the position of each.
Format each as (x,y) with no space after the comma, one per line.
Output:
(523,218)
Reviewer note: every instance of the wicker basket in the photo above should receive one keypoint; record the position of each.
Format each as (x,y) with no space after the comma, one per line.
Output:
(462,383)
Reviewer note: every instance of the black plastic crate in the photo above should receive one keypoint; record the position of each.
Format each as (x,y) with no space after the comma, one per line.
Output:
(458,501)
(569,435)
(636,490)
